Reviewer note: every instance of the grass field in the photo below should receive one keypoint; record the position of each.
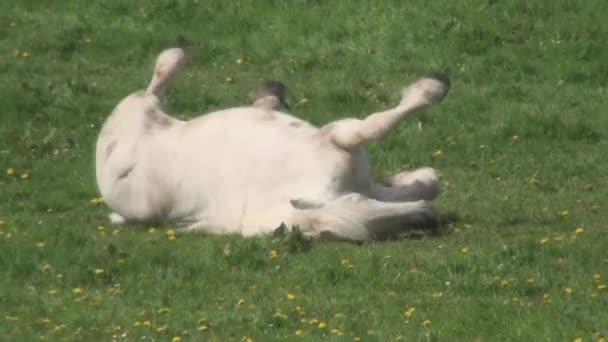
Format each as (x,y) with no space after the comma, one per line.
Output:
(520,141)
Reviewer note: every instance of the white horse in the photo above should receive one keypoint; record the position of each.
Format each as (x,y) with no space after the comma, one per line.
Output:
(247,170)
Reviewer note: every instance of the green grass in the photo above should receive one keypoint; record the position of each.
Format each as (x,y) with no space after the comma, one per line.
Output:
(522,136)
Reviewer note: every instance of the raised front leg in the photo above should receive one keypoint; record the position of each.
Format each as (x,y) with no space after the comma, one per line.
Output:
(351,133)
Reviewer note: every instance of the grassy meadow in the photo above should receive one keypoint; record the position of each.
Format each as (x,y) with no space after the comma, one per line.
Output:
(520,142)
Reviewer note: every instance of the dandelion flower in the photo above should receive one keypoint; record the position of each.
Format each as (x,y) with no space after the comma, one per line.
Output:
(273,254)
(40,244)
(568,291)
(77,291)
(515,137)
(322,325)
(303,100)
(56,328)
(291,296)
(578,339)
(161,329)
(336,332)
(504,283)
(99,271)
(176,339)
(203,327)
(579,230)
(426,323)
(228,79)
(438,153)
(46,267)
(146,323)
(240,301)
(544,240)
(137,324)
(597,276)
(247,339)
(299,332)
(25,54)
(437,294)
(465,250)
(25,176)
(239,61)
(601,287)
(170,234)
(163,311)
(52,292)
(409,312)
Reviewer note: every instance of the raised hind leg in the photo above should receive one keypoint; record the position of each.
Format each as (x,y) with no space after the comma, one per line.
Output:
(350,133)
(420,184)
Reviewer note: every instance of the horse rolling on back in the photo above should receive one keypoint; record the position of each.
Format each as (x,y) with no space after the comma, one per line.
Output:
(247,170)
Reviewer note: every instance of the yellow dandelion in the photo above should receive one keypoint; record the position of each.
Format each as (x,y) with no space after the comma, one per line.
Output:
(504,283)
(426,323)
(409,312)
(356,339)
(2,222)
(530,280)
(25,176)
(564,213)
(597,276)
(291,296)
(322,325)
(544,240)
(579,230)
(161,329)
(465,250)
(438,153)
(437,294)
(46,267)
(52,292)
(152,230)
(515,137)
(45,321)
(163,311)
(391,293)
(601,287)
(240,301)
(273,254)
(176,339)
(99,271)
(57,328)
(247,339)
(578,339)
(16,52)
(77,291)
(299,332)
(96,200)
(170,234)
(87,40)
(228,79)
(137,324)
(146,323)
(25,54)
(303,100)
(203,327)
(336,332)
(239,61)
(40,244)
(601,339)
(547,298)
(568,291)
